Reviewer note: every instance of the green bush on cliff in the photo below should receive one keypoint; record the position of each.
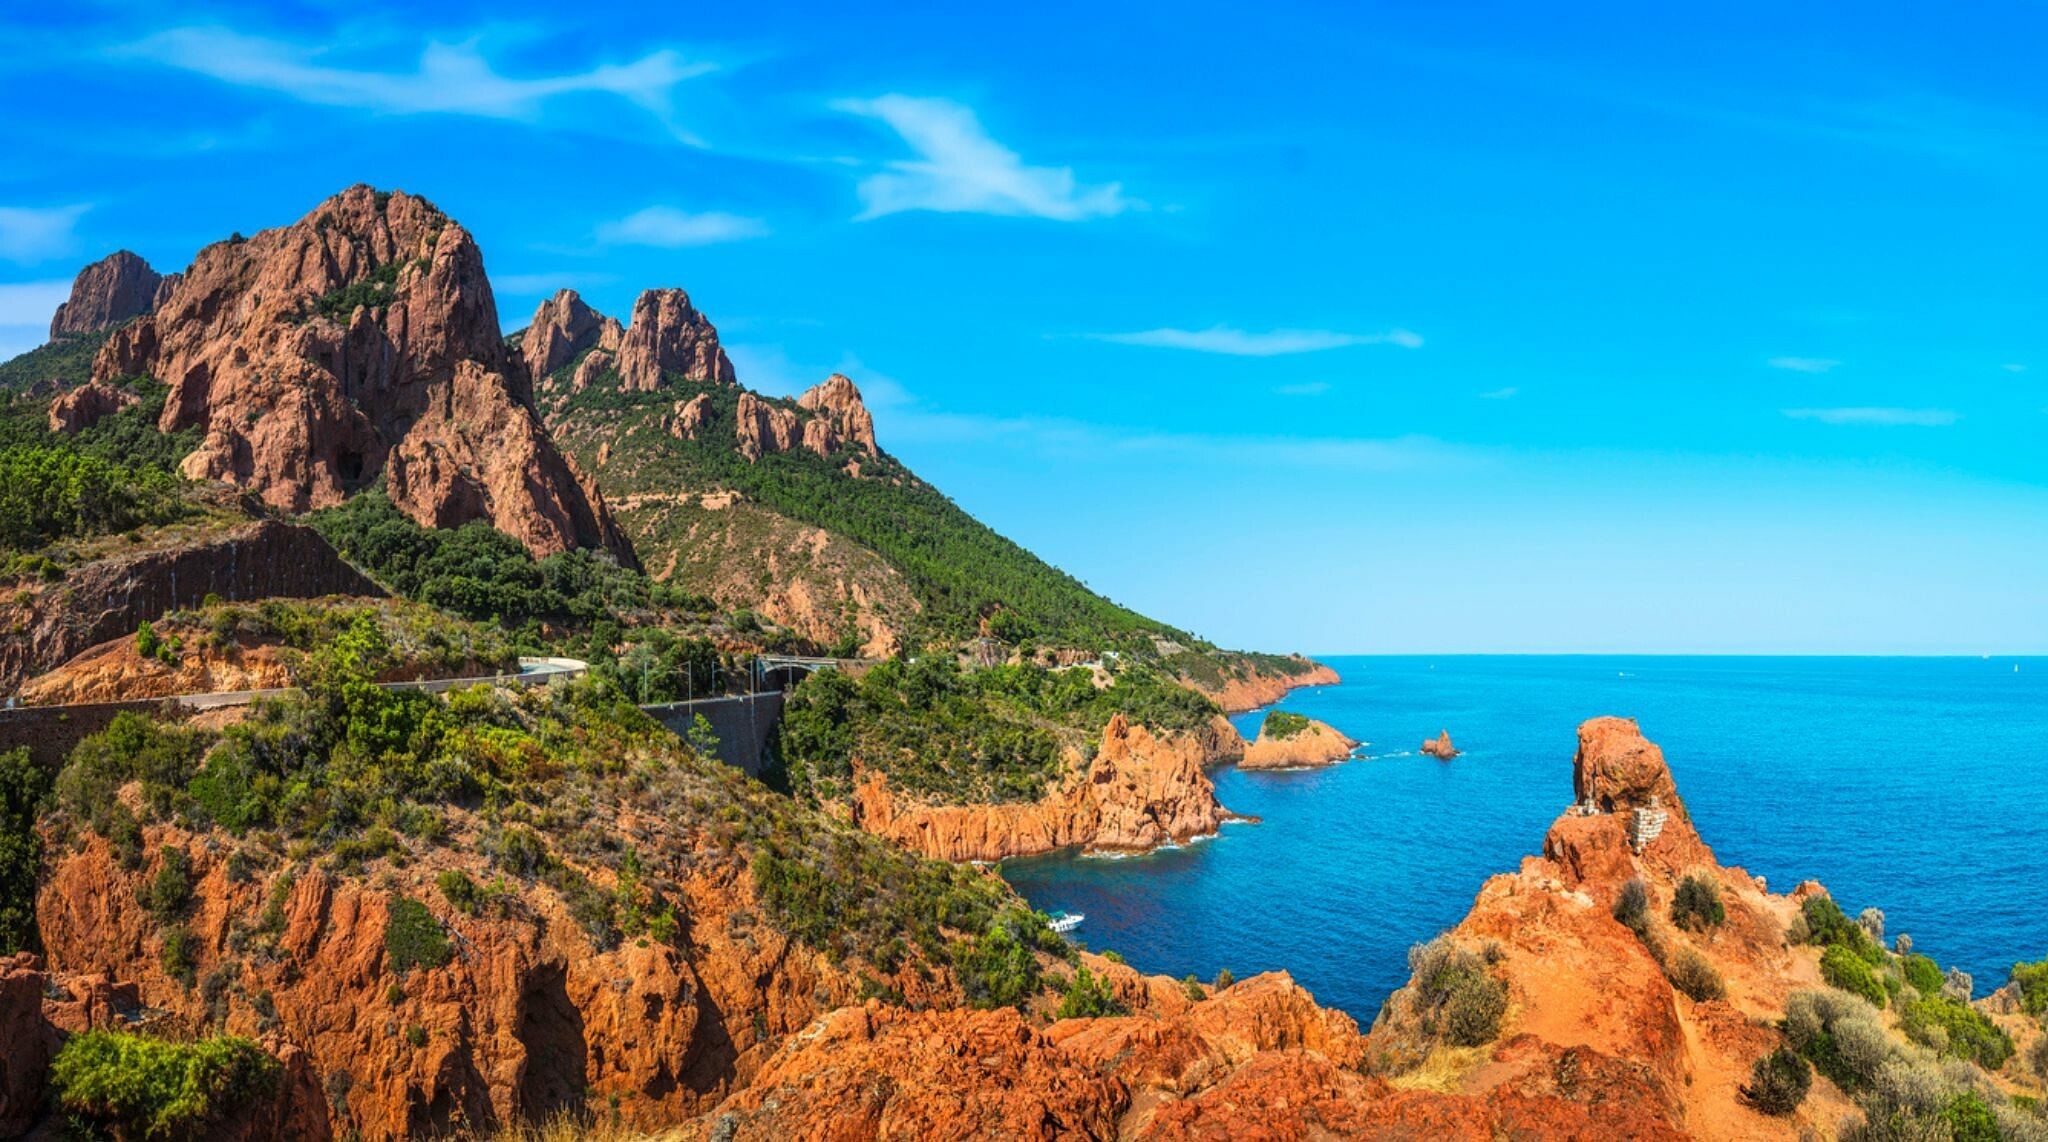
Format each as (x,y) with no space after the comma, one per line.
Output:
(1779,1082)
(1828,926)
(1458,999)
(1845,969)
(134,1086)
(1692,973)
(2032,981)
(413,938)
(1283,724)
(24,785)
(171,888)
(1840,1034)
(1922,972)
(1955,1029)
(1696,903)
(1086,995)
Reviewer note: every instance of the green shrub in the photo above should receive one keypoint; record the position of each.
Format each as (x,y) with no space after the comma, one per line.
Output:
(24,786)
(1632,905)
(1459,1000)
(1696,904)
(1922,972)
(1840,1034)
(459,890)
(997,969)
(1192,987)
(2032,980)
(413,938)
(1224,979)
(1969,1118)
(1779,1082)
(138,1087)
(1828,926)
(1691,973)
(2037,1056)
(1956,1029)
(176,956)
(1085,996)
(1283,724)
(1844,969)
(171,888)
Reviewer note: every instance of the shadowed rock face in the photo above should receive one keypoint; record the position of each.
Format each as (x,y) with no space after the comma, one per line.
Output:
(361,340)
(562,328)
(108,292)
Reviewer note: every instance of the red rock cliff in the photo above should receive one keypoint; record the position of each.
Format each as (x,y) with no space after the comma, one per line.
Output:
(108,292)
(361,340)
(1142,790)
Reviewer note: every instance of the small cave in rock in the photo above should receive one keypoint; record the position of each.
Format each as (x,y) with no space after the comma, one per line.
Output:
(551,1030)
(349,467)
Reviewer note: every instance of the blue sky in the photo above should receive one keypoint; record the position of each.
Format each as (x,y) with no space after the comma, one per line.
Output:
(1418,328)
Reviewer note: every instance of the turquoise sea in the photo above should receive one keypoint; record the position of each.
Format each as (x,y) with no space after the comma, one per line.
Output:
(1918,785)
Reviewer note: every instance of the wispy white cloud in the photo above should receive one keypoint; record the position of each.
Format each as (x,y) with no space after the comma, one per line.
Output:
(1500,393)
(671,228)
(960,169)
(28,234)
(1803,364)
(1240,343)
(32,303)
(1305,389)
(1886,417)
(453,79)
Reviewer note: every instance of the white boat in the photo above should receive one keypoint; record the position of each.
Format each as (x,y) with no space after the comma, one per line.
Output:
(1064,922)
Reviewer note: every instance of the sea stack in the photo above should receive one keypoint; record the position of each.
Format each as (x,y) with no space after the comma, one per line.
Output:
(1440,747)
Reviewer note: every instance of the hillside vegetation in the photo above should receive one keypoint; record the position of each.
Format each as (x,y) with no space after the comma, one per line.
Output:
(960,736)
(960,570)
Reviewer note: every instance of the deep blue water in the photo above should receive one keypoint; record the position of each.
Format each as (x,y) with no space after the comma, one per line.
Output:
(1919,785)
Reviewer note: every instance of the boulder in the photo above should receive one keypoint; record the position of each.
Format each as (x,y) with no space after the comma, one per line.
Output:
(82,407)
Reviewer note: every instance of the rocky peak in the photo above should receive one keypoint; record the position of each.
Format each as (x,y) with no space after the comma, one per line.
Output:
(1618,769)
(562,328)
(109,292)
(842,417)
(764,427)
(361,340)
(669,336)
